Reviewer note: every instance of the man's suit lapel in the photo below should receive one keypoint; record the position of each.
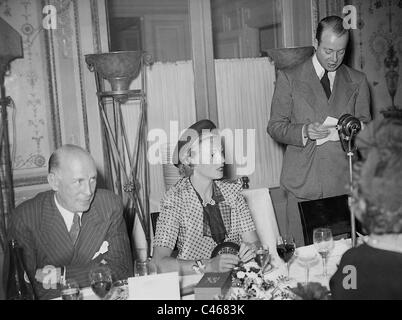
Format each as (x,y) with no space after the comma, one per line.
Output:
(54,233)
(343,89)
(91,235)
(317,98)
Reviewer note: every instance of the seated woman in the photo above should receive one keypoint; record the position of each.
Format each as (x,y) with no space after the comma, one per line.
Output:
(200,211)
(378,205)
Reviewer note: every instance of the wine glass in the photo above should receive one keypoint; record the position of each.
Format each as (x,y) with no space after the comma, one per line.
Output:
(262,256)
(101,281)
(70,290)
(323,242)
(285,246)
(144,267)
(306,259)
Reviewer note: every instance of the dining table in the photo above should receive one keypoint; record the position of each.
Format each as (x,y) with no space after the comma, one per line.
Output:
(277,270)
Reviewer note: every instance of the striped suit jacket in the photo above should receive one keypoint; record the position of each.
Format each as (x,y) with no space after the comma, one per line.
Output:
(39,228)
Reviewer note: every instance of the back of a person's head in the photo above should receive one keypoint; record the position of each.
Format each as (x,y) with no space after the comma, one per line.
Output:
(378,180)
(333,23)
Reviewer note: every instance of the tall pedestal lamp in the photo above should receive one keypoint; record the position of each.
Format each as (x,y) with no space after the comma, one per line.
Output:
(10,49)
(127,165)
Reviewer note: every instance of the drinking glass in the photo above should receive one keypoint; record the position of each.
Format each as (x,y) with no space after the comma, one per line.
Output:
(101,281)
(70,290)
(306,259)
(285,246)
(144,267)
(262,256)
(323,242)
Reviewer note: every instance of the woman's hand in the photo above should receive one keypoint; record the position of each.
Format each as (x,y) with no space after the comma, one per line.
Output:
(222,263)
(246,252)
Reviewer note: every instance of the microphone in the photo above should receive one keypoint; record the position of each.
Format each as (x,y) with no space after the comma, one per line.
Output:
(348,125)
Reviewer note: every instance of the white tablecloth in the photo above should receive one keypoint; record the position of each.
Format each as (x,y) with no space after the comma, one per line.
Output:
(297,272)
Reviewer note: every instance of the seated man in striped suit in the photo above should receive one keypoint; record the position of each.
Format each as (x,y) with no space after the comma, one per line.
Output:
(71,228)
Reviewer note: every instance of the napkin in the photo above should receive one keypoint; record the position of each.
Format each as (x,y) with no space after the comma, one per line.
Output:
(330,124)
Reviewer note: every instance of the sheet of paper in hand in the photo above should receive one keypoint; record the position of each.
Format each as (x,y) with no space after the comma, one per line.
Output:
(330,124)
(164,286)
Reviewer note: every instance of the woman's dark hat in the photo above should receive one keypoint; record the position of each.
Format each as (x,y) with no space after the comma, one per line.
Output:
(190,136)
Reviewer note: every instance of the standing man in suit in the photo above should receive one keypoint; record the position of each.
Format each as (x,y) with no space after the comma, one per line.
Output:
(304,97)
(71,228)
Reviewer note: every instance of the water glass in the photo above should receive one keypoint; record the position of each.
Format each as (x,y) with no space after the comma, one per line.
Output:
(144,268)
(306,259)
(101,280)
(70,290)
(262,256)
(324,243)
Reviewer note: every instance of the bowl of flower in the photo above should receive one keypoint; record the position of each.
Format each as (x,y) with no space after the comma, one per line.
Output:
(250,283)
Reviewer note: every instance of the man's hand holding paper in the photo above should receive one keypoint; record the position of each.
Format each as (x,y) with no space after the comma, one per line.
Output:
(329,125)
(316,131)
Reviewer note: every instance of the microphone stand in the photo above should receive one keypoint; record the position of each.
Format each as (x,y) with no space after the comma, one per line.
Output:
(352,214)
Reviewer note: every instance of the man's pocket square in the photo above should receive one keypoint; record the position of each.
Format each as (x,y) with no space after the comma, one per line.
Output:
(103,249)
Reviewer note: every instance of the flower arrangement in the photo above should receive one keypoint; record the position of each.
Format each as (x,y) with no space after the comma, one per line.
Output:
(311,291)
(248,283)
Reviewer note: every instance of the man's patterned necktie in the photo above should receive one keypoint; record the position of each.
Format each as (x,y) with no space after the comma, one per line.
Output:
(75,228)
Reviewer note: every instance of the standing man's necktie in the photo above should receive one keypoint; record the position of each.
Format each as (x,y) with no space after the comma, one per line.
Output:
(75,228)
(325,84)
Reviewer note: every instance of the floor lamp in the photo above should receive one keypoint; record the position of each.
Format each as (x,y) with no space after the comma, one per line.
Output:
(127,166)
(10,49)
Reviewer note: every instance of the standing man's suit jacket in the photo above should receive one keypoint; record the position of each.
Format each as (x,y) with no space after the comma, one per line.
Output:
(39,228)
(311,171)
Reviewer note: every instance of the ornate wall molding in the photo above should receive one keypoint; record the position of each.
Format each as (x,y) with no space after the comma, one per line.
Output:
(35,122)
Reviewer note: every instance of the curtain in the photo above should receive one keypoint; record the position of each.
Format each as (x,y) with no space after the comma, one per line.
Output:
(171,109)
(323,8)
(244,91)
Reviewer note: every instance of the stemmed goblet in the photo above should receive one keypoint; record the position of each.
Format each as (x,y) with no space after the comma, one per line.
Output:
(101,280)
(323,242)
(306,259)
(285,246)
(262,257)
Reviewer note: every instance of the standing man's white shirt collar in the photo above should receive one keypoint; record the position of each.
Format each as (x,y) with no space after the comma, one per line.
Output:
(319,70)
(67,215)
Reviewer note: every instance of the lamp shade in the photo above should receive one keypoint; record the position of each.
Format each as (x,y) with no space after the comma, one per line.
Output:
(120,68)
(11,45)
(289,57)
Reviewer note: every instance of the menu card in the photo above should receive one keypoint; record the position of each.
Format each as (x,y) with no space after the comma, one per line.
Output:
(164,286)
